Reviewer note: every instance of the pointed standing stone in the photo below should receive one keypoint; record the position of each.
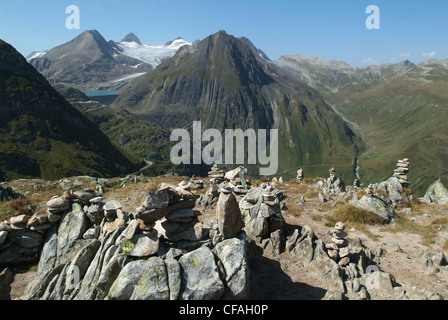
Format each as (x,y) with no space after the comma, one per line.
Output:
(228,215)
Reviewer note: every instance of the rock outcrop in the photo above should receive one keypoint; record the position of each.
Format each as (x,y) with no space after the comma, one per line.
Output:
(96,250)
(436,192)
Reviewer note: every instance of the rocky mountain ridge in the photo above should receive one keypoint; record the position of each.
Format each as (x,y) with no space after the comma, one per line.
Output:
(42,135)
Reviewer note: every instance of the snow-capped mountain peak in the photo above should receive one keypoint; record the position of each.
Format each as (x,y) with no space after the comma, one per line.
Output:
(151,54)
(35,55)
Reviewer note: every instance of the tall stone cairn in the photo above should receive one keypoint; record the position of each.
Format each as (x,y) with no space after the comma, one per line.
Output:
(337,249)
(300,175)
(216,175)
(401,173)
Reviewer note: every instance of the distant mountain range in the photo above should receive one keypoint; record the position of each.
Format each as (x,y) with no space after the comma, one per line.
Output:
(328,113)
(90,63)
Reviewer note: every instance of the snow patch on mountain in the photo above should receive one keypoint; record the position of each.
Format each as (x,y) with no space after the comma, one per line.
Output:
(152,54)
(35,55)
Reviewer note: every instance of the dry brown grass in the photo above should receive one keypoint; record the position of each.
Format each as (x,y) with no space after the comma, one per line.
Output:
(353,216)
(361,193)
(428,233)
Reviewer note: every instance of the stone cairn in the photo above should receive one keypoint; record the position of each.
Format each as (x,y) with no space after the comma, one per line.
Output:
(300,175)
(338,249)
(334,183)
(401,173)
(22,236)
(216,175)
(192,184)
(160,251)
(219,180)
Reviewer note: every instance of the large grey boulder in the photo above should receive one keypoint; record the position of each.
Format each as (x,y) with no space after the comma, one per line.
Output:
(156,200)
(141,280)
(200,276)
(437,191)
(72,227)
(228,215)
(257,226)
(376,205)
(393,188)
(26,238)
(233,255)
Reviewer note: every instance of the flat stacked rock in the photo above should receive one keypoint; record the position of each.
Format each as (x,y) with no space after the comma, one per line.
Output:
(337,249)
(234,179)
(159,204)
(182,224)
(216,175)
(237,180)
(401,173)
(192,184)
(56,207)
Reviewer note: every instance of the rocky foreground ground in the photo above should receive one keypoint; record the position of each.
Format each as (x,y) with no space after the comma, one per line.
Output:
(225,236)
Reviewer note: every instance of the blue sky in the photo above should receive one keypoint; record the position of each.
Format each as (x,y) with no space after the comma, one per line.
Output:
(331,29)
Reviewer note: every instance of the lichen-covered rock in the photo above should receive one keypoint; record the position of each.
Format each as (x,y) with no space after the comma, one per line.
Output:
(437,191)
(174,277)
(200,276)
(72,227)
(376,205)
(141,280)
(233,255)
(140,245)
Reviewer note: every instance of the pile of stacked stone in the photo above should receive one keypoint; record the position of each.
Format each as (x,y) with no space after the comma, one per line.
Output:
(300,175)
(144,258)
(167,199)
(261,209)
(338,249)
(192,184)
(216,175)
(401,173)
(334,183)
(132,178)
(237,180)
(342,267)
(21,236)
(234,179)
(209,199)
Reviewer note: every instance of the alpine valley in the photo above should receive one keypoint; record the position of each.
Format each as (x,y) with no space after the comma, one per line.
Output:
(329,114)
